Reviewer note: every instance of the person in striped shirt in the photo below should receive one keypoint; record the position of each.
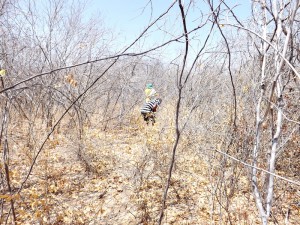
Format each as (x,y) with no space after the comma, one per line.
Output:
(149,109)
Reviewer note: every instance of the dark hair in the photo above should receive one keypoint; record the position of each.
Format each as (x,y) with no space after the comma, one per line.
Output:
(159,101)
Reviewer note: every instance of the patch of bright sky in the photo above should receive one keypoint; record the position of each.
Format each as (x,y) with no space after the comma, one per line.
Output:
(129,18)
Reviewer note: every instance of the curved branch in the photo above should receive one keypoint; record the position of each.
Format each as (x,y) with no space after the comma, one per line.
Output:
(229,65)
(265,40)
(101,59)
(258,168)
(58,121)
(180,86)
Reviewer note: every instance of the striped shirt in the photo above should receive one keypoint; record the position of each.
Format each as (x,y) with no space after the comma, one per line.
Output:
(150,106)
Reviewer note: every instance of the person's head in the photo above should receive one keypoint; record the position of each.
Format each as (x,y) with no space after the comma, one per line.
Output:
(149,85)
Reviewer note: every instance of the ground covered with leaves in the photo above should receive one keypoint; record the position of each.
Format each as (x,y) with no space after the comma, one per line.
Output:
(118,176)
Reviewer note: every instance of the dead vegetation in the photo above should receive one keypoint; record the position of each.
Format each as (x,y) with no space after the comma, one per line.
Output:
(120,174)
(75,150)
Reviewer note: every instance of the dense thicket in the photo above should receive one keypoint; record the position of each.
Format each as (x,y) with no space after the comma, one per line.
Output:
(230,108)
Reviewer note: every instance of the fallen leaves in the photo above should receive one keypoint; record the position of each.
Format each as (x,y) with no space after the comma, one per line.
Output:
(126,182)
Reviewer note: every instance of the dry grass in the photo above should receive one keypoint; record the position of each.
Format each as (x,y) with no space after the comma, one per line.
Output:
(118,176)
